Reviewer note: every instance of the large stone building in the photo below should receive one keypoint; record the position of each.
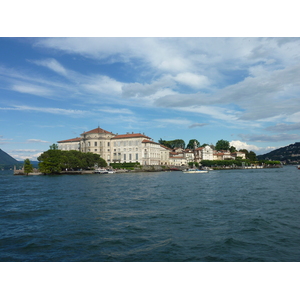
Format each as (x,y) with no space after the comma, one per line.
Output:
(129,147)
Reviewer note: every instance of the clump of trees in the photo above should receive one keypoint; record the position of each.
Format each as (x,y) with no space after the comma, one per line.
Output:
(172,144)
(249,154)
(55,161)
(229,162)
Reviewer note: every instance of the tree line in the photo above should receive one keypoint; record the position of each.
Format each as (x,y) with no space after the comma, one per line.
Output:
(220,145)
(55,161)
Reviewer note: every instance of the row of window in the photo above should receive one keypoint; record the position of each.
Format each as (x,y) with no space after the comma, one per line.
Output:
(96,144)
(126,143)
(125,156)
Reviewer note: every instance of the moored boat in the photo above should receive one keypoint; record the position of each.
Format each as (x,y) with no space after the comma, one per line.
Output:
(101,171)
(104,171)
(195,171)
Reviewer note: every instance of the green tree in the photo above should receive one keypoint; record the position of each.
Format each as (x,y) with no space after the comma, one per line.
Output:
(51,162)
(54,147)
(249,154)
(252,156)
(190,145)
(28,167)
(222,145)
(232,149)
(178,143)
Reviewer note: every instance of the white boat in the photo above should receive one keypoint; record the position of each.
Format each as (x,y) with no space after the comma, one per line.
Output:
(104,171)
(101,171)
(195,171)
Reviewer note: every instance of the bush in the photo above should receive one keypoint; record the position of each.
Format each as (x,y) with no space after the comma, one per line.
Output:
(128,166)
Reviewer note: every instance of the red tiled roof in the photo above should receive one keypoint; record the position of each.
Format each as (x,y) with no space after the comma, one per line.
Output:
(97,130)
(147,141)
(130,135)
(70,140)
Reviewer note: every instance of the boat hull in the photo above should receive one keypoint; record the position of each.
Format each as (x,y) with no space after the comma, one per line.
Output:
(195,171)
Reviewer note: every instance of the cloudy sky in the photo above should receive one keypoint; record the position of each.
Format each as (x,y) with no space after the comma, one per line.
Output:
(244,90)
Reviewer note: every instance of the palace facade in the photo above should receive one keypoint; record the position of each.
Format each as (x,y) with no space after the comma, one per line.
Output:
(137,147)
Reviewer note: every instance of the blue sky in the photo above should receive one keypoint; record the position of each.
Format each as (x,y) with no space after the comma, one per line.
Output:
(244,90)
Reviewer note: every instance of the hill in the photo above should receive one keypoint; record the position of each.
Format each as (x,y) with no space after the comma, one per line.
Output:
(289,154)
(6,161)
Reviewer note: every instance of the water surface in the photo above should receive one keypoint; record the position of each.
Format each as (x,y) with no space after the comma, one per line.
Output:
(234,215)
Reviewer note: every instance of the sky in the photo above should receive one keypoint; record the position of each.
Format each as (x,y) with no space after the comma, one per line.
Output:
(243,90)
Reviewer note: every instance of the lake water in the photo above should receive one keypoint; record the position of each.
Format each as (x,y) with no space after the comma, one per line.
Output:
(234,215)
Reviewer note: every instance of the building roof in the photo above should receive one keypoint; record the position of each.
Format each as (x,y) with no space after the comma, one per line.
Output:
(97,130)
(70,140)
(148,141)
(130,135)
(165,147)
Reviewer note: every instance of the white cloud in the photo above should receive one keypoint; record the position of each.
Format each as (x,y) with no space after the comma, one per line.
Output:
(112,110)
(269,138)
(258,150)
(50,110)
(36,141)
(52,64)
(163,122)
(242,145)
(284,127)
(102,84)
(24,155)
(192,80)
(25,150)
(31,89)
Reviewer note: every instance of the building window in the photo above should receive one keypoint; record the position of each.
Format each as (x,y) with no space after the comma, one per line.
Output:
(125,157)
(137,156)
(89,144)
(130,157)
(108,144)
(95,150)
(95,144)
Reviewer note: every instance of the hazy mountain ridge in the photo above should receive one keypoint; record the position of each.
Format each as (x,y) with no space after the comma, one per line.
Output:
(6,159)
(289,154)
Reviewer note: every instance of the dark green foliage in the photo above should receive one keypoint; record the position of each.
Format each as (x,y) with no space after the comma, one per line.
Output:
(28,167)
(128,166)
(222,145)
(251,155)
(54,147)
(173,144)
(232,149)
(190,145)
(269,162)
(219,163)
(55,161)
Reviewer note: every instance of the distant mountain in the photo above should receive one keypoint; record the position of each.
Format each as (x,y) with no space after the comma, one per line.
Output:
(6,159)
(289,154)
